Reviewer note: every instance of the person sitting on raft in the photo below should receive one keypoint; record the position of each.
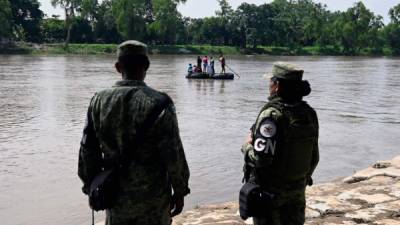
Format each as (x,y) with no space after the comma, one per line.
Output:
(196,69)
(190,69)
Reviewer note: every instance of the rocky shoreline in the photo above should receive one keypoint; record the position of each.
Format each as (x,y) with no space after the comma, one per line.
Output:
(370,196)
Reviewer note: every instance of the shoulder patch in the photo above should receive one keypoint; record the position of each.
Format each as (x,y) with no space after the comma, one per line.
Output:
(268,128)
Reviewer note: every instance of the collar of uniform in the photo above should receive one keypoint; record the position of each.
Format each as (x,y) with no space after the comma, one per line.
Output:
(275,99)
(130,83)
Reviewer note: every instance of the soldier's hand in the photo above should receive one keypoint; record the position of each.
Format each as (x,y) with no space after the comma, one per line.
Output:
(177,204)
(249,139)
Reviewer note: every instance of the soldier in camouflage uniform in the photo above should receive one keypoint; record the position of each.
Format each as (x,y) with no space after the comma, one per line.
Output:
(281,151)
(159,164)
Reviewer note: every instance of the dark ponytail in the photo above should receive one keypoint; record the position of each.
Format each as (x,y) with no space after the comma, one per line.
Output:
(293,90)
(305,88)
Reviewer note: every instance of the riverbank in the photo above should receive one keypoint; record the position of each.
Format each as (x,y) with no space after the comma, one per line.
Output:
(99,49)
(370,196)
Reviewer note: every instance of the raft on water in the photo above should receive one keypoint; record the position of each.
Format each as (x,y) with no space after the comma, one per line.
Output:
(216,76)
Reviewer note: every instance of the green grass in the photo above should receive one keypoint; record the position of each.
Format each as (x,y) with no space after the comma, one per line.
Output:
(81,49)
(16,49)
(194,49)
(86,49)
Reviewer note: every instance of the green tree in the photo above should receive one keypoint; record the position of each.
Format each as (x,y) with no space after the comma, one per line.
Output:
(81,30)
(392,36)
(298,23)
(286,23)
(226,14)
(328,35)
(354,28)
(394,14)
(314,19)
(53,30)
(89,9)
(375,37)
(27,17)
(166,21)
(392,30)
(5,20)
(193,28)
(246,20)
(267,26)
(156,21)
(105,28)
(70,7)
(212,31)
(182,34)
(130,18)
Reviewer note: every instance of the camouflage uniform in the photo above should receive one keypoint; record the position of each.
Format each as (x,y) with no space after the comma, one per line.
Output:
(159,164)
(283,155)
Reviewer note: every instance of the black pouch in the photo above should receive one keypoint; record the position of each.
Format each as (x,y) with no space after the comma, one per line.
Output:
(103,190)
(253,201)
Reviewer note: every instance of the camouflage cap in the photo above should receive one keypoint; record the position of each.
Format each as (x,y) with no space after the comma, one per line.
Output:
(131,47)
(286,71)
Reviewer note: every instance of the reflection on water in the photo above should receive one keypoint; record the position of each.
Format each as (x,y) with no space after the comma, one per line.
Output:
(44,99)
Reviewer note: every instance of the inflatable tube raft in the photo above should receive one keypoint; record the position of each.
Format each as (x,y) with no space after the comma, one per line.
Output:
(216,76)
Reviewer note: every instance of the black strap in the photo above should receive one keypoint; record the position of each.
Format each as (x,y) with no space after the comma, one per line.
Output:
(127,157)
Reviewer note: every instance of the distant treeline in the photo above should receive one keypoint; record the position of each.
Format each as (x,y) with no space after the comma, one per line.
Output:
(283,23)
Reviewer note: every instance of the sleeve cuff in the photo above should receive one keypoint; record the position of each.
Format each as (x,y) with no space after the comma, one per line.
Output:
(246,148)
(182,192)
(85,189)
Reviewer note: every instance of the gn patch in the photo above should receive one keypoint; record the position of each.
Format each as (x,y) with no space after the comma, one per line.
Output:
(268,129)
(265,141)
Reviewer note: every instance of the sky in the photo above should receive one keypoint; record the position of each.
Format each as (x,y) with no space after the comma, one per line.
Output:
(203,8)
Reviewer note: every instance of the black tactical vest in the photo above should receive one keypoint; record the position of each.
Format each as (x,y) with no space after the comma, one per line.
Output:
(287,157)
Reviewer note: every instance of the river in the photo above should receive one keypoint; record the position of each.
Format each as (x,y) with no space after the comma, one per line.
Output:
(44,100)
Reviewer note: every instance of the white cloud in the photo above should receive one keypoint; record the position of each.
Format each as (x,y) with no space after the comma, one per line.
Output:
(49,10)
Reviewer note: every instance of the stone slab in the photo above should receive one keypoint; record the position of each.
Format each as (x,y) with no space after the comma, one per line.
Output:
(364,215)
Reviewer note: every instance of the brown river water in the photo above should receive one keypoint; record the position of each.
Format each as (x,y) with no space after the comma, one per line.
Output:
(44,100)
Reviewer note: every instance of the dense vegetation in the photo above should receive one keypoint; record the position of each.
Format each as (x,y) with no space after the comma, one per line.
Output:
(292,24)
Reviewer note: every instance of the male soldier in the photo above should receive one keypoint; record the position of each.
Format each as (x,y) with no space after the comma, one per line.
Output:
(159,165)
(281,151)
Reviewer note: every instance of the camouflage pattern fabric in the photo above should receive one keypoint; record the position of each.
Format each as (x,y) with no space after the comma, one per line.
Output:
(159,164)
(285,71)
(283,157)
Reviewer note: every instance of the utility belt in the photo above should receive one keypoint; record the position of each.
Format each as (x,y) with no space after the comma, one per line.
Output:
(257,196)
(270,183)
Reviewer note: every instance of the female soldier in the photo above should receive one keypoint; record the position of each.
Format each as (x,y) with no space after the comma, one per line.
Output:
(281,152)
